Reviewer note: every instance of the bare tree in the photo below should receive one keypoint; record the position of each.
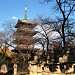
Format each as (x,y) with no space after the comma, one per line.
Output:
(66,8)
(7,33)
(45,30)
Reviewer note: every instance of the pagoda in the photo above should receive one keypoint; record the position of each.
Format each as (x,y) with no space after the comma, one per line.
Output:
(24,36)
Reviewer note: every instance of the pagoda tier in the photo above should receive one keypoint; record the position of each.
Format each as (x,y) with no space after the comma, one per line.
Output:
(25,47)
(23,41)
(18,50)
(25,37)
(29,33)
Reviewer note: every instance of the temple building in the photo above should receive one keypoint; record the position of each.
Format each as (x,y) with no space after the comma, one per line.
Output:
(42,65)
(24,36)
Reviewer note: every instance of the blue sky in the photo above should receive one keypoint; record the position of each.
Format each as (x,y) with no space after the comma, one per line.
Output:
(15,9)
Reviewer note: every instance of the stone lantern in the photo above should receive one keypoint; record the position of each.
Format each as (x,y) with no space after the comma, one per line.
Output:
(15,69)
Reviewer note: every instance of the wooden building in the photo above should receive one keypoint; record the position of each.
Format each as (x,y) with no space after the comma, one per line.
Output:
(24,36)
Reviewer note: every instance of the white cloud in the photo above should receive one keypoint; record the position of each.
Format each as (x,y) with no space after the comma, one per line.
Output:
(14,17)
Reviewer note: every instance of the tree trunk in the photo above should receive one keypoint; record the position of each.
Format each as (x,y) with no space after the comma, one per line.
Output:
(47,44)
(63,34)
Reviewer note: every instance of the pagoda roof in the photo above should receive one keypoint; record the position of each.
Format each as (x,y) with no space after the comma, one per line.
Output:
(28,22)
(25,22)
(17,51)
(22,37)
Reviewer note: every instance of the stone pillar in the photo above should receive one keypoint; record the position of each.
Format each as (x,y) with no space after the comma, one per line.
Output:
(4,68)
(35,59)
(15,69)
(32,69)
(39,71)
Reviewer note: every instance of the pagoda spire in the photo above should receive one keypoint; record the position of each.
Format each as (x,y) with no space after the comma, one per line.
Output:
(25,13)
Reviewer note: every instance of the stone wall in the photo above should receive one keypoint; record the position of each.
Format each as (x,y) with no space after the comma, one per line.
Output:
(41,69)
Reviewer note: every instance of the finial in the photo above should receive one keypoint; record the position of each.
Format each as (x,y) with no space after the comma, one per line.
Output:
(25,13)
